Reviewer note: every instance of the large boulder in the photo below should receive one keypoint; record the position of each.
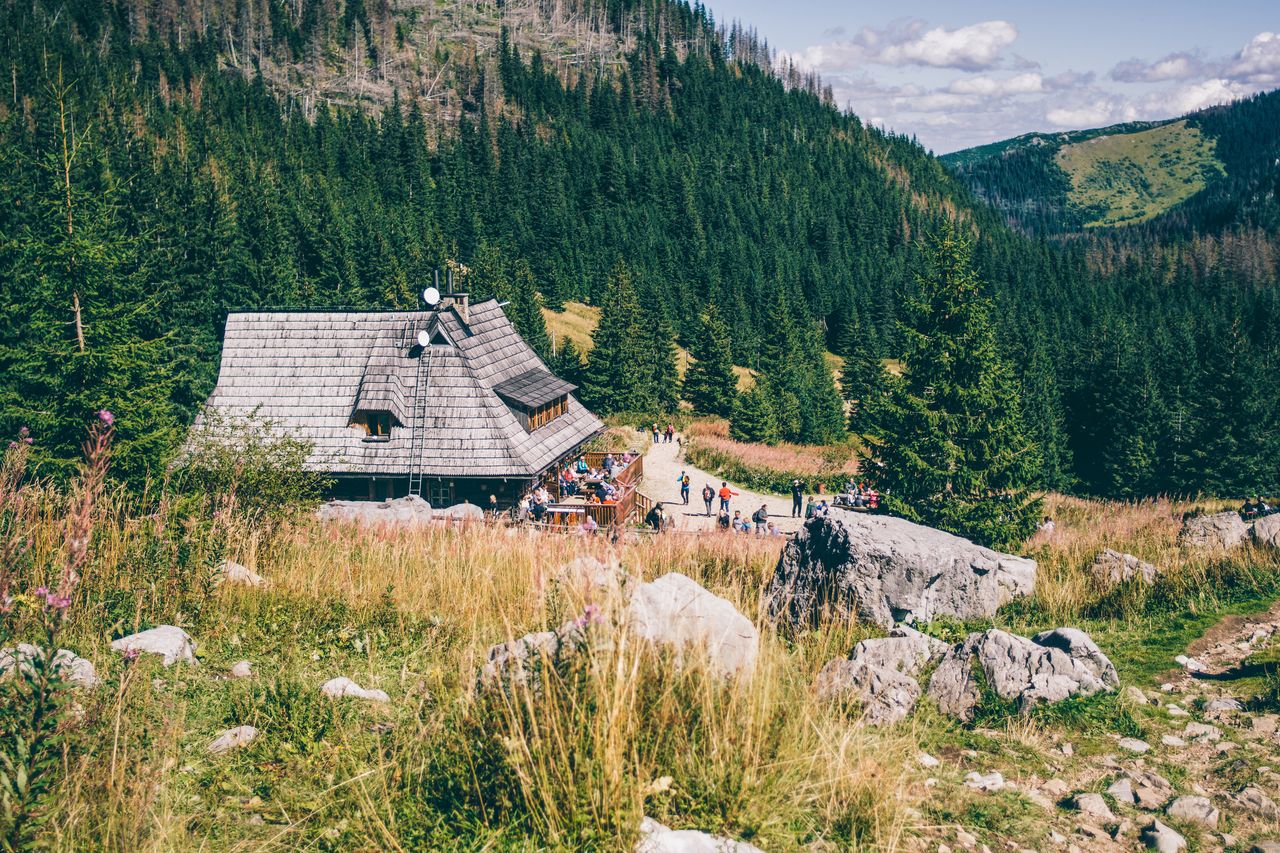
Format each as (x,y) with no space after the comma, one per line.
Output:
(173,644)
(886,695)
(881,569)
(1220,530)
(1052,667)
(409,509)
(462,512)
(69,666)
(1266,531)
(656,838)
(675,611)
(1112,567)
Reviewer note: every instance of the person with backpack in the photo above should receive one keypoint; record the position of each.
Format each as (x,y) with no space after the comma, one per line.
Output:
(725,494)
(655,518)
(761,519)
(723,519)
(708,495)
(797,498)
(683,480)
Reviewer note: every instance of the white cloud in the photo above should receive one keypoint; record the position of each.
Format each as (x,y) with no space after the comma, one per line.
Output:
(970,48)
(1175,66)
(1088,115)
(973,47)
(1196,96)
(1258,61)
(1019,84)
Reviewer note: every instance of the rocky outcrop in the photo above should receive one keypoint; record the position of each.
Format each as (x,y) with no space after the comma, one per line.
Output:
(1266,531)
(410,509)
(173,644)
(882,570)
(905,650)
(1220,530)
(656,838)
(1111,568)
(886,695)
(1049,668)
(676,612)
(69,666)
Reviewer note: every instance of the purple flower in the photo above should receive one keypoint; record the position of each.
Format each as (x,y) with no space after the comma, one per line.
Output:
(42,592)
(106,417)
(24,432)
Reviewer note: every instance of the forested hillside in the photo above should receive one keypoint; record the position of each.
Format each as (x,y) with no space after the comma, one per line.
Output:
(162,163)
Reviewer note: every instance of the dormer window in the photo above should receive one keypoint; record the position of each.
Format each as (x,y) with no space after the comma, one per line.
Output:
(545,414)
(535,397)
(375,424)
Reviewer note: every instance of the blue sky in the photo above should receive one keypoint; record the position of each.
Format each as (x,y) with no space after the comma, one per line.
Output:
(961,74)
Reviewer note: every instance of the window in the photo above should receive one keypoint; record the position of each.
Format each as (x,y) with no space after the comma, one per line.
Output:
(440,493)
(545,414)
(376,425)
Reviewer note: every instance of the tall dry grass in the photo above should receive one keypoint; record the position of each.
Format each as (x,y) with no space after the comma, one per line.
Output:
(767,467)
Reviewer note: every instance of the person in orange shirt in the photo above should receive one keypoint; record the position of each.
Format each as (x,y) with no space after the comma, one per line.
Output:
(725,494)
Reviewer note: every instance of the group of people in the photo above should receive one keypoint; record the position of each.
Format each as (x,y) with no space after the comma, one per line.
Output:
(860,496)
(1257,508)
(758,523)
(663,436)
(855,496)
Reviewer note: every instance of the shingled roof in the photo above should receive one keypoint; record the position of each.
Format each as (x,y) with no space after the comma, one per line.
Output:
(308,373)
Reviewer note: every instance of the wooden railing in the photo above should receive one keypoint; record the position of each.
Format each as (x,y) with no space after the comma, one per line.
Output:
(629,476)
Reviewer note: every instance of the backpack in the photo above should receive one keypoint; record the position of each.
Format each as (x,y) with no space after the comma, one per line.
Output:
(708,493)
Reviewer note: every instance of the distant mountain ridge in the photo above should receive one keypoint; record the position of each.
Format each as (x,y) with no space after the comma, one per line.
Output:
(1198,173)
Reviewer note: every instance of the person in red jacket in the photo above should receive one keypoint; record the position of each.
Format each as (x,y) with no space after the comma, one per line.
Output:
(725,494)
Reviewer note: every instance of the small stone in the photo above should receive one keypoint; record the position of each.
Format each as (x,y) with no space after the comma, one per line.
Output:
(342,687)
(656,838)
(1094,806)
(173,644)
(1265,847)
(1132,744)
(1135,695)
(1055,788)
(1176,711)
(1189,664)
(238,575)
(989,783)
(965,839)
(1223,704)
(231,739)
(1172,740)
(1067,749)
(1265,723)
(1122,791)
(1195,810)
(1167,687)
(1057,837)
(927,760)
(1225,747)
(241,669)
(1162,839)
(1254,799)
(1202,732)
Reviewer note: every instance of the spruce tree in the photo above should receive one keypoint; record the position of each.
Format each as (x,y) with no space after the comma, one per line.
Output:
(863,382)
(615,376)
(567,363)
(710,384)
(951,449)
(755,418)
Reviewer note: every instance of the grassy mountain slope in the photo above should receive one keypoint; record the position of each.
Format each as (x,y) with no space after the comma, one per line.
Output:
(1129,173)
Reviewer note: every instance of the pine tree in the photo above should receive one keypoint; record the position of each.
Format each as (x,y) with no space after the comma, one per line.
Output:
(863,382)
(755,418)
(952,450)
(567,363)
(658,376)
(710,384)
(615,379)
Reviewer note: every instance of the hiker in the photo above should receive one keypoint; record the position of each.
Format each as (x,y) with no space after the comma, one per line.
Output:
(725,494)
(823,507)
(654,518)
(723,519)
(810,509)
(655,432)
(671,432)
(797,498)
(493,505)
(708,495)
(761,518)
(773,530)
(684,487)
(738,524)
(588,526)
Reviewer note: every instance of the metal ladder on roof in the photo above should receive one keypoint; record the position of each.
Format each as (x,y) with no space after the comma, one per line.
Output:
(418,437)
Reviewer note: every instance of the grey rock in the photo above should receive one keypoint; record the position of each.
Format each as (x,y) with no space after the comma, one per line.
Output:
(69,666)
(1150,789)
(882,570)
(1132,744)
(344,688)
(1265,847)
(1266,531)
(241,669)
(656,838)
(230,739)
(1020,669)
(1112,567)
(173,644)
(1223,705)
(1135,696)
(887,696)
(1122,790)
(410,509)
(905,650)
(1254,799)
(1194,810)
(676,612)
(237,575)
(1162,839)
(988,782)
(1173,741)
(520,662)
(461,512)
(1220,530)
(1093,806)
(1202,732)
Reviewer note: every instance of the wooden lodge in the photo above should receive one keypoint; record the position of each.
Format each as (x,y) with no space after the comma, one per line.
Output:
(449,403)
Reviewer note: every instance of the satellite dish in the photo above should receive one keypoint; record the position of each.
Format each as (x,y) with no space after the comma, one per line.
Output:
(431,296)
(424,338)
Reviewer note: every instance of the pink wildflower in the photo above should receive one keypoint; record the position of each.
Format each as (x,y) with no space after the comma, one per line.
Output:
(106,417)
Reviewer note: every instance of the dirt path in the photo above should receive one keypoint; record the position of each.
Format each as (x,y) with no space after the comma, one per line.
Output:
(663,466)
